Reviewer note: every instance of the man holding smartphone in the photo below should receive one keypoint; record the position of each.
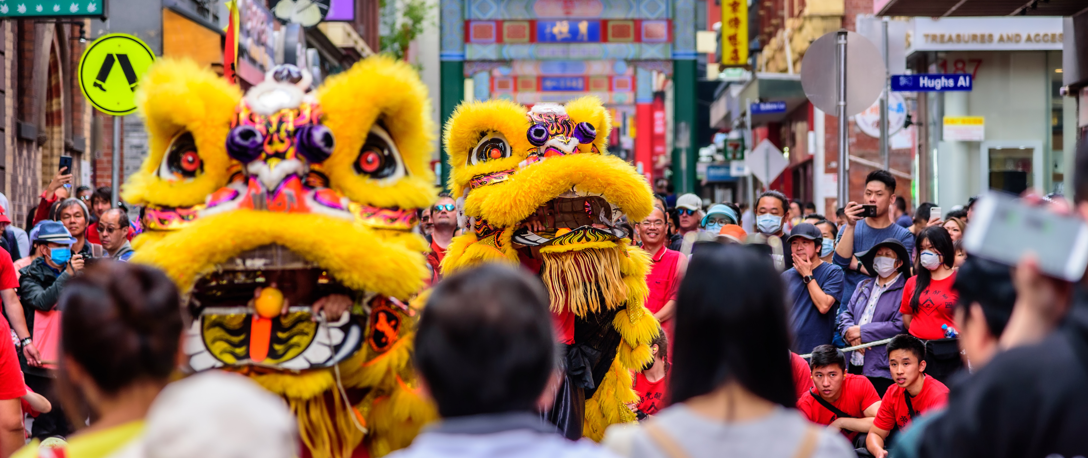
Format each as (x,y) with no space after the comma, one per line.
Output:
(867,226)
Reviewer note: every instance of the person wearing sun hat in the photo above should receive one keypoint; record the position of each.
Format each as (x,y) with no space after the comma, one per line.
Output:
(873,310)
(732,233)
(717,216)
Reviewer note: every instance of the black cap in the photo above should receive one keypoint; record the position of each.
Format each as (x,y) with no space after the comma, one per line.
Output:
(806,231)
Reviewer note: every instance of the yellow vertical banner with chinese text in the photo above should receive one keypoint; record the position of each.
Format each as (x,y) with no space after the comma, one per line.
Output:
(734,32)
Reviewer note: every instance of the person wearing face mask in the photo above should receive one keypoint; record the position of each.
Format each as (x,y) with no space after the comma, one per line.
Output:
(717,217)
(873,311)
(828,229)
(40,285)
(771,208)
(929,300)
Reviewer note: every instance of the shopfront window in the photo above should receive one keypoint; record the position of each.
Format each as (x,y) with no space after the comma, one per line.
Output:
(1011,169)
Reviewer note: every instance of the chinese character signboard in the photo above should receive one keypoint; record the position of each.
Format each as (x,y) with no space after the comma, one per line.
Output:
(734,33)
(584,31)
(563,83)
(51,8)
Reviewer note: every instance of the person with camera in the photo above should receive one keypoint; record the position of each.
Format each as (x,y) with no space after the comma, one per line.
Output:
(867,225)
(40,285)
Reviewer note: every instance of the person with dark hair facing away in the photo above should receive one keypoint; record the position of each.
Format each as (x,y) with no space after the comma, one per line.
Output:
(913,394)
(902,218)
(443,228)
(873,312)
(652,383)
(813,288)
(120,338)
(845,402)
(485,351)
(922,218)
(929,299)
(861,234)
(772,209)
(730,388)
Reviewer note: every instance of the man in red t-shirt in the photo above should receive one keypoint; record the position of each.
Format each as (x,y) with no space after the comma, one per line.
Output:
(912,395)
(11,375)
(666,271)
(802,375)
(852,399)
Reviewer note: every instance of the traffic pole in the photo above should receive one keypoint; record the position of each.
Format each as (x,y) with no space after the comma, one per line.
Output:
(116,174)
(844,164)
(884,99)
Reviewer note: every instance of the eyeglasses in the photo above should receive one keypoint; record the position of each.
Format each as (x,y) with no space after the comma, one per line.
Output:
(686,211)
(445,207)
(105,228)
(654,223)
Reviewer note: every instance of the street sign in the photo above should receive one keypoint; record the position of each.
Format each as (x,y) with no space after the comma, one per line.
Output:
(869,120)
(766,162)
(110,71)
(777,106)
(932,82)
(734,149)
(51,8)
(864,73)
(964,128)
(716,173)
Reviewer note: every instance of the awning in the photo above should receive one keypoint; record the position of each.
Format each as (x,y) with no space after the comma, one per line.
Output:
(943,8)
(765,87)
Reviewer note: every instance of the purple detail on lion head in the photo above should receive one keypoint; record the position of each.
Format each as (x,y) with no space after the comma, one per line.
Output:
(585,133)
(244,144)
(315,143)
(538,134)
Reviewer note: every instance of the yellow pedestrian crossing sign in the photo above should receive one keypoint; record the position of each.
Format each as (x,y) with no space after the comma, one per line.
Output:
(110,71)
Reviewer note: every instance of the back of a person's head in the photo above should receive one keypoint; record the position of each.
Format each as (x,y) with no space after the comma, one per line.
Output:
(485,342)
(921,214)
(990,285)
(731,326)
(191,419)
(121,323)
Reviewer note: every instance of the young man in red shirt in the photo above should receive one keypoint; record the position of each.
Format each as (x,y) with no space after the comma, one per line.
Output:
(846,402)
(912,395)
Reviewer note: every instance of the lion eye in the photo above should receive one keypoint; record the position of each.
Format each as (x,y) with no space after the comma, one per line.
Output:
(491,147)
(379,158)
(182,160)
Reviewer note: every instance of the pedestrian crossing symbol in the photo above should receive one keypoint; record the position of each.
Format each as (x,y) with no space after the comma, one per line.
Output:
(110,71)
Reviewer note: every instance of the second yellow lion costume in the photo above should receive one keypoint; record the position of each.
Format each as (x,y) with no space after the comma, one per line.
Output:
(261,205)
(541,191)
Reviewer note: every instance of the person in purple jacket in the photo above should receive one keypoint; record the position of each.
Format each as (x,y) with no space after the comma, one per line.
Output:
(873,311)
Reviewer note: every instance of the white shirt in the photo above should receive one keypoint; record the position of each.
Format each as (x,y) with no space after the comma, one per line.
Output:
(857,358)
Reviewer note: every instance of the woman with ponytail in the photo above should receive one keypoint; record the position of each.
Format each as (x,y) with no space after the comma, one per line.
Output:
(120,331)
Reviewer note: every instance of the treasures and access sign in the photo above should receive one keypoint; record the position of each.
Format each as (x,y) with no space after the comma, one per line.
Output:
(932,82)
(51,8)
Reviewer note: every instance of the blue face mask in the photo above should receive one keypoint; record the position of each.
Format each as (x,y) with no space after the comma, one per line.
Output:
(768,224)
(714,228)
(60,256)
(829,246)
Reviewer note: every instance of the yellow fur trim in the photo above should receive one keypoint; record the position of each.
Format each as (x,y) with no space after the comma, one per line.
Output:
(608,405)
(507,204)
(466,251)
(575,278)
(327,431)
(175,96)
(578,247)
(634,358)
(470,122)
(396,420)
(383,89)
(635,332)
(353,255)
(589,109)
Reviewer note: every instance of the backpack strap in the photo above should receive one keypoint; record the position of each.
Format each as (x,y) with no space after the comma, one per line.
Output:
(664,441)
(910,407)
(827,405)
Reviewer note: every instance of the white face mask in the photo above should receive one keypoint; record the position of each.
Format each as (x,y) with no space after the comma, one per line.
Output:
(768,224)
(930,260)
(884,266)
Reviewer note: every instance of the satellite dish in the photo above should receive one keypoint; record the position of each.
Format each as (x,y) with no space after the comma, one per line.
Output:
(306,13)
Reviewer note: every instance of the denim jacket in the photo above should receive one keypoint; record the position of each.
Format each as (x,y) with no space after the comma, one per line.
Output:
(887,322)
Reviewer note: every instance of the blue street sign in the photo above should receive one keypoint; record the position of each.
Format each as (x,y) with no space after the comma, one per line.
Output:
(768,107)
(932,82)
(716,173)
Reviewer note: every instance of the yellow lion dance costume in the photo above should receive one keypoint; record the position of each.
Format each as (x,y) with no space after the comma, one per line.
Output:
(541,193)
(297,195)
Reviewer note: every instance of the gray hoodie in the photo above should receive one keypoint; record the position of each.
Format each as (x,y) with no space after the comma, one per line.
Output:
(509,435)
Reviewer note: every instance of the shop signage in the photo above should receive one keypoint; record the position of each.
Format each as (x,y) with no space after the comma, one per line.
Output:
(985,34)
(964,128)
(932,82)
(718,173)
(734,33)
(562,83)
(568,31)
(768,107)
(52,8)
(734,149)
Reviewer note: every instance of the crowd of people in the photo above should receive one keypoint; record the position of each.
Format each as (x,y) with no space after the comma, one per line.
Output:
(784,333)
